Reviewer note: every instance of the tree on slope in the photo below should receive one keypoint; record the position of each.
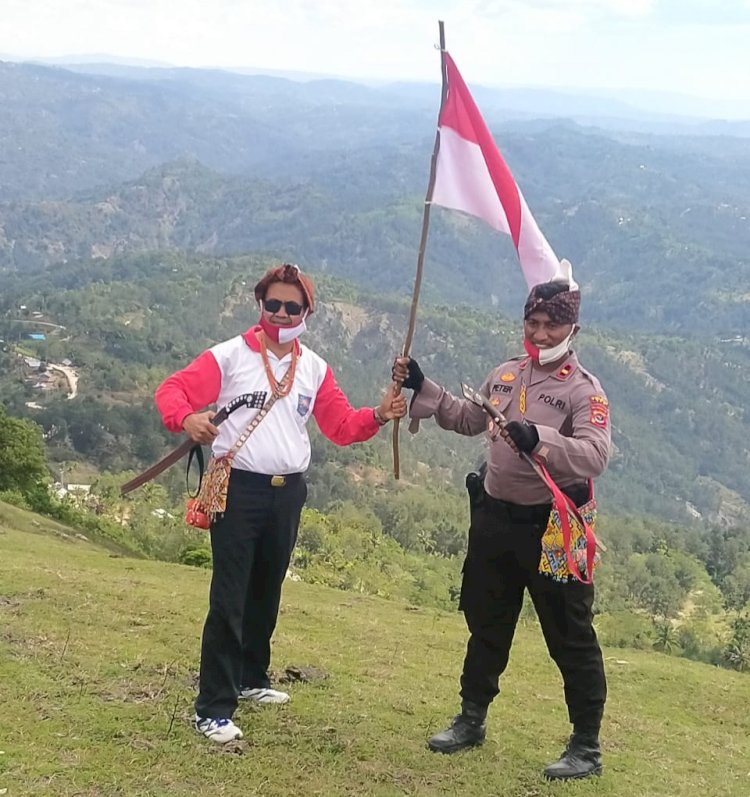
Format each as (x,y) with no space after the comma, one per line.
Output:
(23,465)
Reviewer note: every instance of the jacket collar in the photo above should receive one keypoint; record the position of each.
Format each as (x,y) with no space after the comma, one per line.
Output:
(561,370)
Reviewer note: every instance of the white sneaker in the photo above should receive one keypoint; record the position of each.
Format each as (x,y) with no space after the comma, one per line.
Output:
(220,731)
(264,696)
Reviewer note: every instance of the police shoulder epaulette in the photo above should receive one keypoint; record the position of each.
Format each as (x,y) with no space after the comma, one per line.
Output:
(563,373)
(591,378)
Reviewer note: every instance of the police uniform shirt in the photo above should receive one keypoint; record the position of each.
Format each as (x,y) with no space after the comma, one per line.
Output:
(563,401)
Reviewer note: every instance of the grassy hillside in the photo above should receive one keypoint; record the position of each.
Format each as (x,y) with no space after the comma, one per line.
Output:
(98,658)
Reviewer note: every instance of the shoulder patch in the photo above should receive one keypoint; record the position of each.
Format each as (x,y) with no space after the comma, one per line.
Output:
(599,411)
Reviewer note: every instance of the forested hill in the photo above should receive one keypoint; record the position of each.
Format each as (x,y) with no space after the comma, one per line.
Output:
(107,169)
(679,408)
(332,175)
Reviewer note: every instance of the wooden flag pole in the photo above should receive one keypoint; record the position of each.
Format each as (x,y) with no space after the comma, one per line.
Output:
(422,243)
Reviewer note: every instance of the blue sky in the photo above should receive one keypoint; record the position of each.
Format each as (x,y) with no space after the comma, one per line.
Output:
(694,47)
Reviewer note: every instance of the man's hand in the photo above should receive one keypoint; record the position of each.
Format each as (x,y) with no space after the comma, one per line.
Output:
(522,437)
(407,371)
(392,406)
(199,428)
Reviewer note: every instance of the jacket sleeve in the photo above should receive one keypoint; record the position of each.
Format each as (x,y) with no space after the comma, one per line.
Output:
(188,391)
(337,419)
(454,414)
(585,453)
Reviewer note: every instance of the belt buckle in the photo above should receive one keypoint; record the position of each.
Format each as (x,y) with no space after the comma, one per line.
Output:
(278,481)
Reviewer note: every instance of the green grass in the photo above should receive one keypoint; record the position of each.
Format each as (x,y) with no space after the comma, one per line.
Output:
(98,659)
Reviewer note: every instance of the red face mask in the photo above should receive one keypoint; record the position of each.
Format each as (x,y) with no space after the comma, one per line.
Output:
(531,350)
(545,356)
(282,334)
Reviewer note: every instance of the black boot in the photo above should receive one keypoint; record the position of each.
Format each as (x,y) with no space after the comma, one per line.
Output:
(468,729)
(582,757)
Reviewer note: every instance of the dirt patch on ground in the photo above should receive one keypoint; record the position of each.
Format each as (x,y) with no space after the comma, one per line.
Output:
(8,603)
(295,674)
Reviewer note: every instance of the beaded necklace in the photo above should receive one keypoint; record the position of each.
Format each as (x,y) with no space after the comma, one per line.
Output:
(276,387)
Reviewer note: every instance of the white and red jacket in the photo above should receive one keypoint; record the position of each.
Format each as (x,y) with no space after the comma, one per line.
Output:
(280,443)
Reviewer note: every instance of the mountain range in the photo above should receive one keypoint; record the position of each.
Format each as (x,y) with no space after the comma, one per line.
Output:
(332,175)
(113,186)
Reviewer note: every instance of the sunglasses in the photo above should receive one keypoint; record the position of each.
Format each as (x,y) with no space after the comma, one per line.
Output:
(274,305)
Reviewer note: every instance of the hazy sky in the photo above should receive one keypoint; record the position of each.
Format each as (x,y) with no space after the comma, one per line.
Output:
(697,47)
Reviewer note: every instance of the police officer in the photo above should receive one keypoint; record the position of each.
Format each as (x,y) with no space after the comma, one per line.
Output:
(558,412)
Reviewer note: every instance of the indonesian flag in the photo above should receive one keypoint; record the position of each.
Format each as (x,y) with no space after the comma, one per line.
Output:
(472,176)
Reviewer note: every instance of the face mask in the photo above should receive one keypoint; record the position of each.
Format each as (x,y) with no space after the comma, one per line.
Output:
(545,356)
(282,334)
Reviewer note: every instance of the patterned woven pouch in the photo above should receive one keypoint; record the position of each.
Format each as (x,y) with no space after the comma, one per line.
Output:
(196,516)
(554,561)
(212,496)
(213,493)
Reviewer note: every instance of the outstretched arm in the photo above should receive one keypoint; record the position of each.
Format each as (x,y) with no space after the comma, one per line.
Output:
(344,425)
(432,400)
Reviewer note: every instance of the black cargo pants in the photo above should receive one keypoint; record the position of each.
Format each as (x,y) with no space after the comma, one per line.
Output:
(502,561)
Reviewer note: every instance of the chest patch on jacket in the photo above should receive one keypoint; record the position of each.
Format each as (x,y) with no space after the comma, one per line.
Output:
(303,404)
(498,388)
(546,398)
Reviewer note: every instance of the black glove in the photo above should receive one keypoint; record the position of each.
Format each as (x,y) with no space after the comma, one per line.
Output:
(524,435)
(415,377)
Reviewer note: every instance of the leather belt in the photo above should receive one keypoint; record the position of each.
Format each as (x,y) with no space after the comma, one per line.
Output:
(523,512)
(247,478)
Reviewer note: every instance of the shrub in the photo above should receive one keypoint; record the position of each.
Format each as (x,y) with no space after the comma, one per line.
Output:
(196,555)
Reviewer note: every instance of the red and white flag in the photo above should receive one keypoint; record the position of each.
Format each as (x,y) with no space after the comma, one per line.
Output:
(472,176)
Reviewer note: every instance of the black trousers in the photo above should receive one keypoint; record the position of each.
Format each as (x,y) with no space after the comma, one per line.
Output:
(502,561)
(252,543)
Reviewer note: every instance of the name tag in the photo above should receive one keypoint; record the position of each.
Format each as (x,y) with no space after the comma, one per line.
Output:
(551,401)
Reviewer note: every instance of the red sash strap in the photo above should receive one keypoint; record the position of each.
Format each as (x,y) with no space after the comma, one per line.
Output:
(566,507)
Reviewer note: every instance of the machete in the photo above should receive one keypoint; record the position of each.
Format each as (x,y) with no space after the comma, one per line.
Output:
(254,400)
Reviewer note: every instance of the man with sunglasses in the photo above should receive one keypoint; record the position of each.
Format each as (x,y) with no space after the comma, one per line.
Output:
(253,539)
(559,413)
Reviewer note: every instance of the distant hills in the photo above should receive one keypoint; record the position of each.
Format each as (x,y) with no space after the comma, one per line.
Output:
(332,175)
(678,407)
(655,111)
(140,169)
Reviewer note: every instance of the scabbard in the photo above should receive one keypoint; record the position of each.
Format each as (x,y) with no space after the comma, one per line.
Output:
(159,467)
(171,458)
